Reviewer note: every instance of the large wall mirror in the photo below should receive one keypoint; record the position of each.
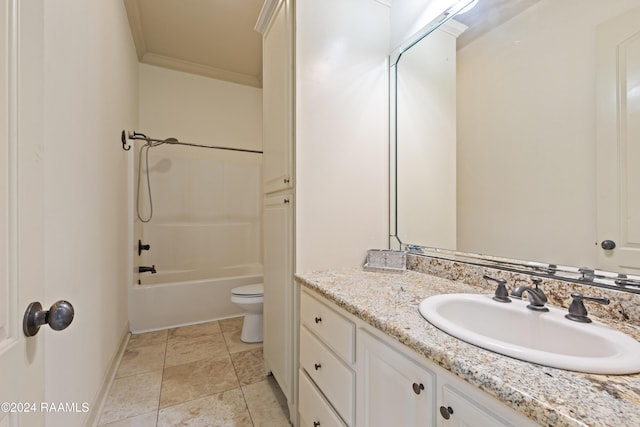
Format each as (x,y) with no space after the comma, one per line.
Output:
(516,136)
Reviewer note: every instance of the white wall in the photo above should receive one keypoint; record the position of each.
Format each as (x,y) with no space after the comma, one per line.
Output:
(499,80)
(199,109)
(90,90)
(341,131)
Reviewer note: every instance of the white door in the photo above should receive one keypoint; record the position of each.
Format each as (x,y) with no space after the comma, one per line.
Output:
(21,214)
(618,175)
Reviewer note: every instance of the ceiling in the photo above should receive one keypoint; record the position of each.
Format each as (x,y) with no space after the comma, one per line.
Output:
(213,38)
(487,15)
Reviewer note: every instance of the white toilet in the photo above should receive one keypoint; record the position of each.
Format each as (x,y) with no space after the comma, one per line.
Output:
(250,298)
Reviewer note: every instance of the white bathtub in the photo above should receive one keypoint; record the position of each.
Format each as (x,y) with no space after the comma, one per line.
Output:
(182,301)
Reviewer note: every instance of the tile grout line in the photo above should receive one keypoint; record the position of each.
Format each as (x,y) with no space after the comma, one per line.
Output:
(164,362)
(228,343)
(241,389)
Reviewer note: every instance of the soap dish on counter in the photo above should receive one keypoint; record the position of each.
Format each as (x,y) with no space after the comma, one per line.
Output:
(385,260)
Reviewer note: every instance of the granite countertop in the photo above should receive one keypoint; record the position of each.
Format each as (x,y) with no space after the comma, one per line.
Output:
(550,397)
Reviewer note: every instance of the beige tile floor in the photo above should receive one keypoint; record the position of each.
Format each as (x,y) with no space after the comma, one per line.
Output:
(200,375)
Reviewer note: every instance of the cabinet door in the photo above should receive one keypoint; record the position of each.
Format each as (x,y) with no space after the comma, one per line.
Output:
(278,290)
(459,411)
(461,404)
(392,389)
(276,101)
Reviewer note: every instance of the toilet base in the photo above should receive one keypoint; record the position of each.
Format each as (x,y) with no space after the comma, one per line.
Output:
(251,328)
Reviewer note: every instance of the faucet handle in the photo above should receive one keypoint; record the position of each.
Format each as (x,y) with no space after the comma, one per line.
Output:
(577,310)
(536,281)
(501,294)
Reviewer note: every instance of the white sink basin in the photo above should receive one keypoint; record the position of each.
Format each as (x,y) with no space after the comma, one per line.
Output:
(546,338)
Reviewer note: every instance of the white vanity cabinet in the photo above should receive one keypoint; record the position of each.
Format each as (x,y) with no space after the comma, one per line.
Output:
(393,390)
(385,383)
(327,375)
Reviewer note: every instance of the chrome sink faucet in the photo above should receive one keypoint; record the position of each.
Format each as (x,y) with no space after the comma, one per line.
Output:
(536,296)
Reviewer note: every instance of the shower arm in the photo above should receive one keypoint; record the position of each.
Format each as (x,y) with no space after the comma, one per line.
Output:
(140,136)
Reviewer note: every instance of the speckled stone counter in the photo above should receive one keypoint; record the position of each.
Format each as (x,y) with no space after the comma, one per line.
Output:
(551,397)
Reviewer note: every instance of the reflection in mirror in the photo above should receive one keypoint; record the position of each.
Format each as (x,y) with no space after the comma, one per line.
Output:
(515,127)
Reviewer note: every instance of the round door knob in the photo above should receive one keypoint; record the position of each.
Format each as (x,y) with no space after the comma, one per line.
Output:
(608,245)
(59,316)
(417,388)
(318,319)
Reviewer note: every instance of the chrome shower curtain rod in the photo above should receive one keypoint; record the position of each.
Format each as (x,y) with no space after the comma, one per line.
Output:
(141,136)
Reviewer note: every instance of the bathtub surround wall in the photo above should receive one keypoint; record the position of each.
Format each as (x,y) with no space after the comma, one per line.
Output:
(206,213)
(90,90)
(206,230)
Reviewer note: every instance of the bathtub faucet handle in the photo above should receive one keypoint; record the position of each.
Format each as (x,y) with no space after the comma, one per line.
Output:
(145,269)
(142,247)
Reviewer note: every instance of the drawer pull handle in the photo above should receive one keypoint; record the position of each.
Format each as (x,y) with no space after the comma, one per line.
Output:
(446,412)
(317,366)
(417,388)
(316,424)
(318,319)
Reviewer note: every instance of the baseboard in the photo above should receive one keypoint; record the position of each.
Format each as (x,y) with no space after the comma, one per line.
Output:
(98,404)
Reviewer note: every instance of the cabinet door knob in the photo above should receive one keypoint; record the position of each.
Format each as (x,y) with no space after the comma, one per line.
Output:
(318,319)
(286,181)
(316,424)
(446,412)
(417,388)
(317,366)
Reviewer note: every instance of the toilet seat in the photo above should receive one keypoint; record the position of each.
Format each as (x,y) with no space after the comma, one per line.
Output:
(248,291)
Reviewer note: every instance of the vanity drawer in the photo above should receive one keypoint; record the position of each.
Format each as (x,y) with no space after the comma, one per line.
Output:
(313,407)
(330,374)
(336,331)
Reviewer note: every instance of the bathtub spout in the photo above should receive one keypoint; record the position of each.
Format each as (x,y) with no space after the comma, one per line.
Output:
(145,269)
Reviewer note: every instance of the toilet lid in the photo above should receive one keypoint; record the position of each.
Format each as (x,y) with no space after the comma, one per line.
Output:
(249,290)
